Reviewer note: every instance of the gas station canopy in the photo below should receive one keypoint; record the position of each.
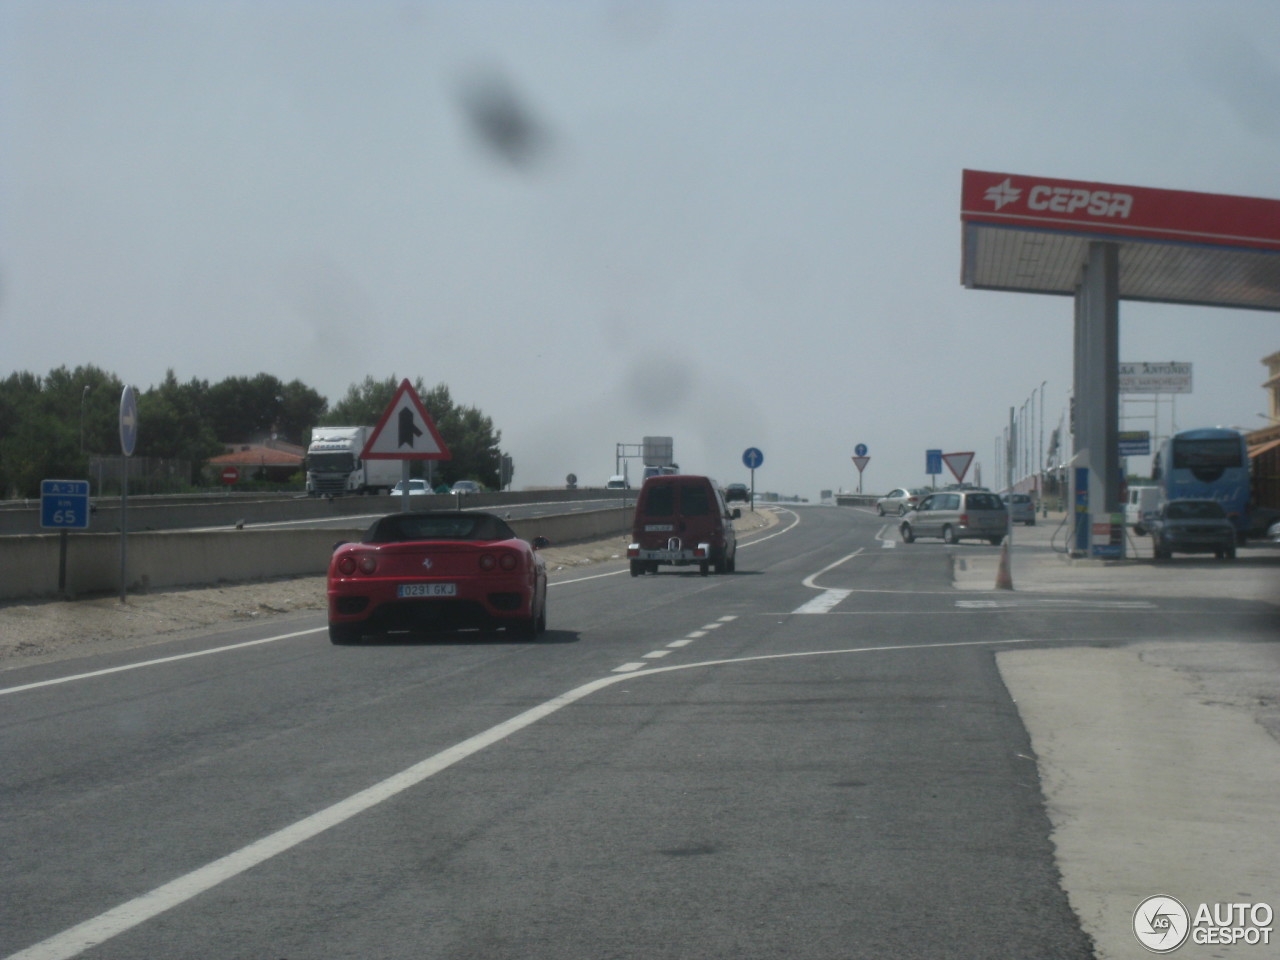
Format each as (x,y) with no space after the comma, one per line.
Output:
(1032,235)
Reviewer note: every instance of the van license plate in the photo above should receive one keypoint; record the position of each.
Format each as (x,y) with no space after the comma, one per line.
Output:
(659,528)
(427,590)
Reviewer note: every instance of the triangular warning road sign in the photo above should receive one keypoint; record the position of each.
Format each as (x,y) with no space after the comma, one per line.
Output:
(406,431)
(958,464)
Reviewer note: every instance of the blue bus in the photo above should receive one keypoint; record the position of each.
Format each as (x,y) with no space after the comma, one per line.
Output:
(1208,464)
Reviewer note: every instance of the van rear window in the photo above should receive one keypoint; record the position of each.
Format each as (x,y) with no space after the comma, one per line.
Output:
(660,500)
(695,499)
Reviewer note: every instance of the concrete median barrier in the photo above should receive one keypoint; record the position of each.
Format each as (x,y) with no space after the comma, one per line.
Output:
(172,558)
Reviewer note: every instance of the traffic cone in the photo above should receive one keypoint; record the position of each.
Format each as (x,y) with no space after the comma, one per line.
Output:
(1004,579)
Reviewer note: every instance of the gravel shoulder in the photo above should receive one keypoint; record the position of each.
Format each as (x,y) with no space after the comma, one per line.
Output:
(42,631)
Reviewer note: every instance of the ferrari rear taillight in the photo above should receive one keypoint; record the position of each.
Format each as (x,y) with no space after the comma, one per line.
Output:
(488,561)
(507,561)
(503,561)
(366,563)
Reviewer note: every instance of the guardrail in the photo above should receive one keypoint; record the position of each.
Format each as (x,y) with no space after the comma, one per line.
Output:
(177,513)
(857,499)
(172,558)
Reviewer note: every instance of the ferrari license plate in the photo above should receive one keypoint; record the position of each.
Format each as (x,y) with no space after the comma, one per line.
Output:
(427,590)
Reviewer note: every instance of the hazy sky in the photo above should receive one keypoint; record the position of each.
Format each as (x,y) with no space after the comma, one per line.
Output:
(733,223)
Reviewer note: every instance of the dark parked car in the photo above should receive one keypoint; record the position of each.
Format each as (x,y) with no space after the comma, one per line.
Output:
(737,491)
(428,570)
(1192,526)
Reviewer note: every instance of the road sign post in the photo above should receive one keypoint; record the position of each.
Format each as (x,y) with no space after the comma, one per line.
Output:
(933,465)
(861,464)
(128,440)
(958,464)
(860,460)
(64,506)
(412,436)
(752,458)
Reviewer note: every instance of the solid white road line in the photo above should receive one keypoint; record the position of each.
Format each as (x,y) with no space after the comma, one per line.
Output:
(159,660)
(91,933)
(823,602)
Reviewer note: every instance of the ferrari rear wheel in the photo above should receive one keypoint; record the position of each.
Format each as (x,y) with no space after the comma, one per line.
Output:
(344,634)
(530,627)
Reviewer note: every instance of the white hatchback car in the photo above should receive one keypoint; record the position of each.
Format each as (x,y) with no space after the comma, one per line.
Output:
(901,500)
(1022,509)
(417,488)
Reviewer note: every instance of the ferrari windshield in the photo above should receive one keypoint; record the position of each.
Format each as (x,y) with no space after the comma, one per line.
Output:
(400,527)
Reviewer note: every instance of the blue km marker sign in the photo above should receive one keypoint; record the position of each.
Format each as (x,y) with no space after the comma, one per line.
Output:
(752,458)
(64,504)
(933,462)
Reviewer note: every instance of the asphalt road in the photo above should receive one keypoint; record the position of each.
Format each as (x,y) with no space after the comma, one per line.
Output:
(815,757)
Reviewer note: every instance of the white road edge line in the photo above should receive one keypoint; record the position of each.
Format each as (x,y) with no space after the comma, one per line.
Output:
(808,581)
(95,931)
(151,663)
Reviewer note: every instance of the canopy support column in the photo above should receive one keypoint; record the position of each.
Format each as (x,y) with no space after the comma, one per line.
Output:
(1096,404)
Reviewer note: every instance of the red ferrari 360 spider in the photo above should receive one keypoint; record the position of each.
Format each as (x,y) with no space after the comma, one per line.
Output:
(427,571)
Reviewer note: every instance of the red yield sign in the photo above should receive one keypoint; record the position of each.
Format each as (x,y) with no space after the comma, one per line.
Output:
(958,464)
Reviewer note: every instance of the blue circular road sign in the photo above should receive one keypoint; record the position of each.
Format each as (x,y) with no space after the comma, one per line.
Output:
(860,450)
(752,458)
(128,421)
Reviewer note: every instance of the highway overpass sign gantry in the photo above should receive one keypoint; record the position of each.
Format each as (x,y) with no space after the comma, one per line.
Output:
(1101,243)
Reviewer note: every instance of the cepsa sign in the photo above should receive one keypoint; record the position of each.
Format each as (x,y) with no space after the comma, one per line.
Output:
(1035,203)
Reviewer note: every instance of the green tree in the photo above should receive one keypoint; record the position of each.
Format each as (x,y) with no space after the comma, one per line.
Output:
(50,425)
(241,409)
(172,424)
(473,441)
(365,402)
(300,409)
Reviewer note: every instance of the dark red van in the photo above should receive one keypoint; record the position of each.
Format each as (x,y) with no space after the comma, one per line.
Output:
(682,520)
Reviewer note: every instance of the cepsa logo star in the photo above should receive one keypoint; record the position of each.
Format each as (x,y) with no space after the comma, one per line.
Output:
(1003,193)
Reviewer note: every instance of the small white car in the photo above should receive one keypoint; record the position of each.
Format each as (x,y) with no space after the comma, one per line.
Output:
(416,488)
(901,500)
(1022,509)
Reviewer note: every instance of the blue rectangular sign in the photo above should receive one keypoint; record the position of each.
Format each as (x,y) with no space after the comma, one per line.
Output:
(933,461)
(64,504)
(1135,443)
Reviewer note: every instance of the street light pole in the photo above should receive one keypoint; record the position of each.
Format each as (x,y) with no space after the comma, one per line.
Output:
(1040,448)
(83,394)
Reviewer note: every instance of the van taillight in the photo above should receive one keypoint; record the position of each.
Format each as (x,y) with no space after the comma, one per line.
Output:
(964,519)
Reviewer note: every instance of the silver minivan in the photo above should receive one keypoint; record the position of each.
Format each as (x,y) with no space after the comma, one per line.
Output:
(956,515)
